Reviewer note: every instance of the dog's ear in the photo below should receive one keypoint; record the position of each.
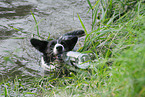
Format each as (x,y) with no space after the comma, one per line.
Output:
(39,44)
(69,43)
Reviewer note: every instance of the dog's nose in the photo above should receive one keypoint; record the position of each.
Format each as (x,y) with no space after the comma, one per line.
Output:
(59,48)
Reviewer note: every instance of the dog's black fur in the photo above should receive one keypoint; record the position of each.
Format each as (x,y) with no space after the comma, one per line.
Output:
(52,49)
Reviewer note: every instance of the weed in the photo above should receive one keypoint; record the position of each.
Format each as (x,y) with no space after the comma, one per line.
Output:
(117,39)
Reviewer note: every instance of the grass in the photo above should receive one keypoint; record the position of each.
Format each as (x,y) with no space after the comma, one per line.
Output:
(118,41)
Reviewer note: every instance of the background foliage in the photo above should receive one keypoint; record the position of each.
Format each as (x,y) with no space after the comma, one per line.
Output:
(118,42)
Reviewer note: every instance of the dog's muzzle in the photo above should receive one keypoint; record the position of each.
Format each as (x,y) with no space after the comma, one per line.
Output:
(58,49)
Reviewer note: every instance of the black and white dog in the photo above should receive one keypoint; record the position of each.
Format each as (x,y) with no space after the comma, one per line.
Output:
(53,49)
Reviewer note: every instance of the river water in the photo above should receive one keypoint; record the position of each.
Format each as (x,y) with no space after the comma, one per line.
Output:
(56,17)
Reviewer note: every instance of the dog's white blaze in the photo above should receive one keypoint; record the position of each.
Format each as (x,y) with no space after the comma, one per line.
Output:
(55,50)
(45,66)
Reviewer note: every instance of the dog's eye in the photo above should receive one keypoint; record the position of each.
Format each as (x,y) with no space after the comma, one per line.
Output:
(52,44)
(62,42)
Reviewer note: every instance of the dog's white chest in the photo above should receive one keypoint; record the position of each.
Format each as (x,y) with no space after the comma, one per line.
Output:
(45,66)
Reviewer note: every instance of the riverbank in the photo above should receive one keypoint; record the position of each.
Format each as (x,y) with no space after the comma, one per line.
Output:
(118,41)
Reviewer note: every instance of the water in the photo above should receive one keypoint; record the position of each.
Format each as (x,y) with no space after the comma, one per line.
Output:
(57,17)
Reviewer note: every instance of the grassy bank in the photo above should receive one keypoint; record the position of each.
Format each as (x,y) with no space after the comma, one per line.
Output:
(118,42)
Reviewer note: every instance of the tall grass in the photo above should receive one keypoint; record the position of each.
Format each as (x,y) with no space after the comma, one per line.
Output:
(118,41)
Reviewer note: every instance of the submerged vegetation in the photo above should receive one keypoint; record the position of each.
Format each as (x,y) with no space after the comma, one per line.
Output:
(118,42)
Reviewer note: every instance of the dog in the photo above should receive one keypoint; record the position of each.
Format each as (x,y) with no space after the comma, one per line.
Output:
(52,50)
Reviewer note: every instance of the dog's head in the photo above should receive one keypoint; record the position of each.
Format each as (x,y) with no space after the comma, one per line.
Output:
(52,48)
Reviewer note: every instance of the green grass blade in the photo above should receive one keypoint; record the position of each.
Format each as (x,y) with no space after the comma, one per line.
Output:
(90,4)
(6,90)
(97,2)
(94,19)
(30,93)
(14,28)
(36,24)
(82,24)
(18,37)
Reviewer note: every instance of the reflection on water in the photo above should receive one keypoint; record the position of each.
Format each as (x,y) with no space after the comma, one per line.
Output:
(15,11)
(5,32)
(18,57)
